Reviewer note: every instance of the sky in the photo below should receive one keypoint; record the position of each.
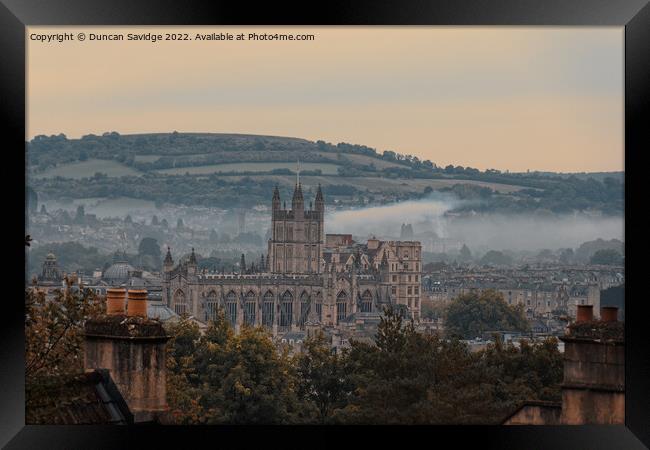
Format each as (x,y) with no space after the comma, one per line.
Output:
(509,98)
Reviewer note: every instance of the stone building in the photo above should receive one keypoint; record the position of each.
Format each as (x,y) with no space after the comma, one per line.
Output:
(306,278)
(593,387)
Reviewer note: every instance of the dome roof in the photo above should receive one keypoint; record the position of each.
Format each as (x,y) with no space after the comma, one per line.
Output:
(118,272)
(50,256)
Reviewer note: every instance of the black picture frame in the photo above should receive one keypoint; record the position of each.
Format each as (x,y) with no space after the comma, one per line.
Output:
(15,15)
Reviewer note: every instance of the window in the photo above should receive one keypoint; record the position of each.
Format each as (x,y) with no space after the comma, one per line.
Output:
(268,310)
(286,310)
(249,309)
(410,278)
(394,278)
(417,290)
(341,306)
(231,308)
(366,301)
(409,290)
(180,303)
(304,308)
(319,306)
(393,290)
(211,306)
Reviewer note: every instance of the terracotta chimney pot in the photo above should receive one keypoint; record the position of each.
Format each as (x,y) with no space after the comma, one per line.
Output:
(609,314)
(585,313)
(115,301)
(137,305)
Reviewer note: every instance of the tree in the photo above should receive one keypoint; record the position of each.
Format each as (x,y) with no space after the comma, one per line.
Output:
(54,329)
(321,379)
(470,315)
(496,258)
(607,257)
(566,255)
(149,253)
(231,378)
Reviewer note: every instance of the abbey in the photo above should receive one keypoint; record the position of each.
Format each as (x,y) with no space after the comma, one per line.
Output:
(307,279)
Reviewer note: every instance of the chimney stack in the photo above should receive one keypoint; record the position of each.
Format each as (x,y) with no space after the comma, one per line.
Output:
(585,313)
(137,306)
(609,314)
(116,301)
(133,349)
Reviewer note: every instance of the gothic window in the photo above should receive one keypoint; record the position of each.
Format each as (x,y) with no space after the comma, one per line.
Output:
(341,306)
(211,306)
(289,232)
(304,308)
(286,310)
(319,306)
(366,301)
(231,308)
(249,308)
(180,303)
(268,311)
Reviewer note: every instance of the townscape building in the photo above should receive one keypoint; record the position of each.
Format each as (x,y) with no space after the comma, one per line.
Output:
(307,279)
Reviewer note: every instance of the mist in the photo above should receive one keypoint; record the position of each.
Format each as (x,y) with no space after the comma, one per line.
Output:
(516,232)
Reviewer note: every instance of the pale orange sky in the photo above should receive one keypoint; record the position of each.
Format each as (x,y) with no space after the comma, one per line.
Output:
(510,98)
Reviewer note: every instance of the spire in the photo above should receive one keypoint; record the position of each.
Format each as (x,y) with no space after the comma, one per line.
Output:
(168,257)
(384,260)
(320,203)
(192,257)
(297,203)
(275,203)
(242,264)
(298,173)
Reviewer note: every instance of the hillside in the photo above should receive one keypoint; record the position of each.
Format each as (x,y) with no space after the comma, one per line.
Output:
(238,170)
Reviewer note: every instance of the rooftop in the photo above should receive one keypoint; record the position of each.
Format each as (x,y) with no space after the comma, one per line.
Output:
(124,326)
(597,330)
(83,399)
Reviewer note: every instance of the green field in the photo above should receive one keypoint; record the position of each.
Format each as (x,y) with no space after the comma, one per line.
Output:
(146,158)
(383,185)
(88,169)
(366,160)
(327,169)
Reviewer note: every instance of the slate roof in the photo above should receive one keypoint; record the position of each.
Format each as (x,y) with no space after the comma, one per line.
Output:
(89,398)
